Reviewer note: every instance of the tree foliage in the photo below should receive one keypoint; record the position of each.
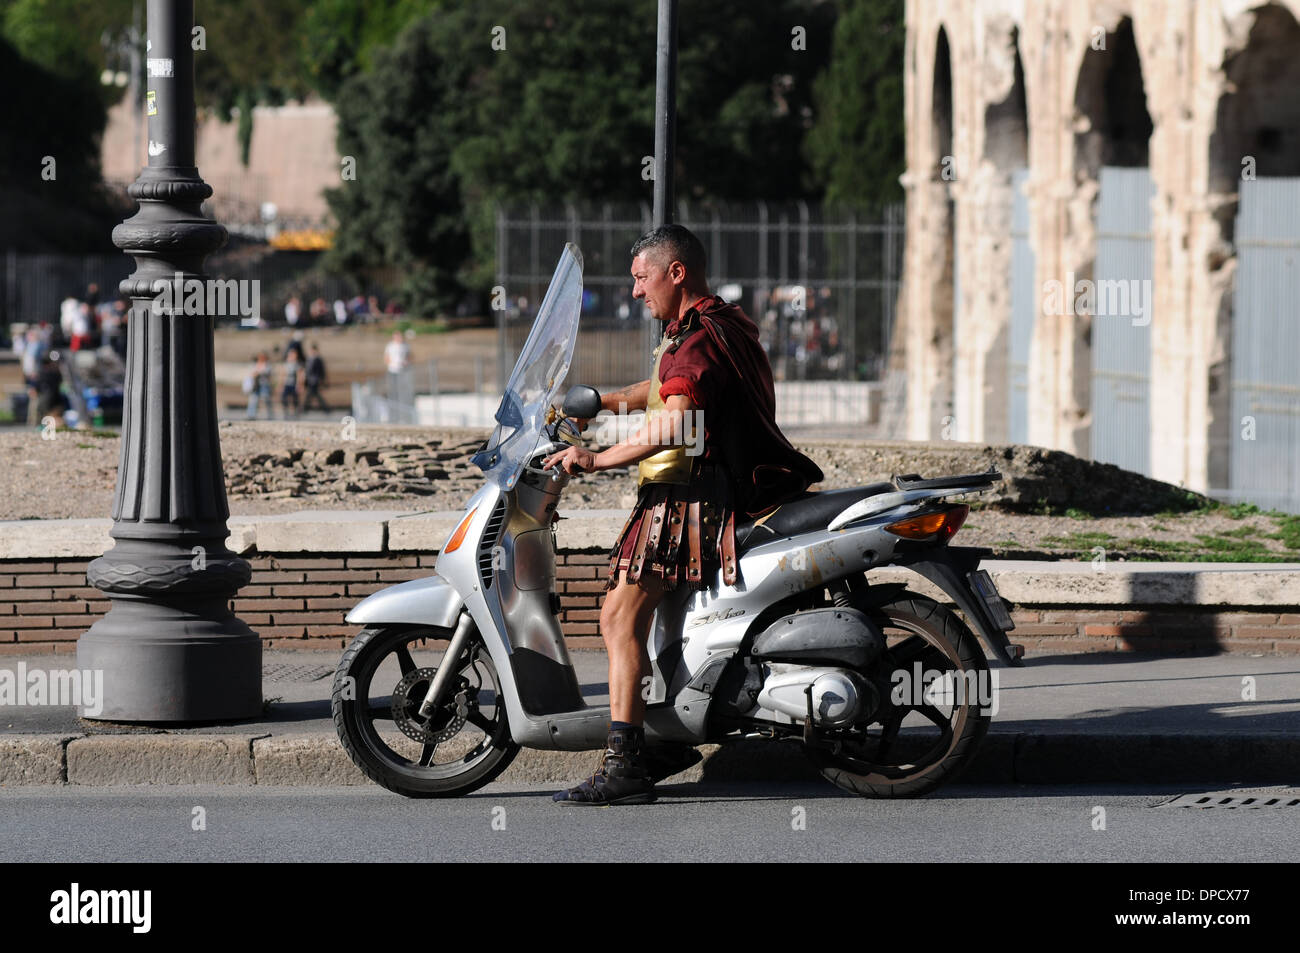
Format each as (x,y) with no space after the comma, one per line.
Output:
(449,107)
(398,125)
(856,145)
(555,102)
(50,190)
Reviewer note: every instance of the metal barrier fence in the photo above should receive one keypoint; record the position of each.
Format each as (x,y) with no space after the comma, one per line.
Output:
(420,394)
(1264,435)
(1121,334)
(820,282)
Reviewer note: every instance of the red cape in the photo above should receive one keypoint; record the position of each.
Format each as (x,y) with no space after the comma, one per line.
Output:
(766,468)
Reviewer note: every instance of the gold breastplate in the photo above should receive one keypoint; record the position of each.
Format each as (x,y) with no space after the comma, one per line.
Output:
(672,464)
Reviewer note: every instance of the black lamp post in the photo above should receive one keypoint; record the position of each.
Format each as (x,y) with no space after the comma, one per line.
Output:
(665,110)
(170,648)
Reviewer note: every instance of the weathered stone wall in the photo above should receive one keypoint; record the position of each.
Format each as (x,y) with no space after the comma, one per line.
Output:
(1061,82)
(292,159)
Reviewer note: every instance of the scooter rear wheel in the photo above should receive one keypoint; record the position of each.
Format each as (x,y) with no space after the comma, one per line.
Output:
(378,687)
(916,742)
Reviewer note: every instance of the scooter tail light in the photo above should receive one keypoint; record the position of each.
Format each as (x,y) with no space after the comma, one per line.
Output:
(943,523)
(458,536)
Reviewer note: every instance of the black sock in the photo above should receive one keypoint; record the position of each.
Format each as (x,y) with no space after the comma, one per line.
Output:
(614,725)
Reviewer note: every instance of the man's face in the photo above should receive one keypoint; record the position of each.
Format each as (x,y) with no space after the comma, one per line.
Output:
(653,283)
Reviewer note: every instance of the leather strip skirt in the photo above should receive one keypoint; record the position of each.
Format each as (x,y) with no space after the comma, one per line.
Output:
(683,533)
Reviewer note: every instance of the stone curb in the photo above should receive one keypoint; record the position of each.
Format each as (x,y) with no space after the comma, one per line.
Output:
(319,760)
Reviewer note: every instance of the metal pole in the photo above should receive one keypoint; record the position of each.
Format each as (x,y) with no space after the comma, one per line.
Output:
(665,110)
(502,277)
(170,648)
(849,327)
(478,381)
(137,71)
(888,290)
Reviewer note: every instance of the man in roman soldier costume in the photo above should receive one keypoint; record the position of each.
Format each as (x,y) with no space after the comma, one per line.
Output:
(710,374)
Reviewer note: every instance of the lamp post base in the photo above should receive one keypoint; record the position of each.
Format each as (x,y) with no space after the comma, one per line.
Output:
(165,663)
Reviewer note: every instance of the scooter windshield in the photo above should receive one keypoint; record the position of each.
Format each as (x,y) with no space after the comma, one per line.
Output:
(538,375)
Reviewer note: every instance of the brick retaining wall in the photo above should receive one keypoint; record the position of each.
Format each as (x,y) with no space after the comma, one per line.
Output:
(299,601)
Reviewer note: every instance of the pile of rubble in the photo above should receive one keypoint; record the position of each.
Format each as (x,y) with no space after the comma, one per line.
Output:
(399,470)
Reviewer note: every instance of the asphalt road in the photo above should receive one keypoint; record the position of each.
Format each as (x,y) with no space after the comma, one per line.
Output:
(691,822)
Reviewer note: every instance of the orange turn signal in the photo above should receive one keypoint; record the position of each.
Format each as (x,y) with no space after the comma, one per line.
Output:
(944,522)
(454,543)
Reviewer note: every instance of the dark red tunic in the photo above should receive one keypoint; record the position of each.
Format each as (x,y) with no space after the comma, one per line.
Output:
(685,534)
(723,368)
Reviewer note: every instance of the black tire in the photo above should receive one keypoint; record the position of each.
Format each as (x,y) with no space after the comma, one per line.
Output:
(383,759)
(940,640)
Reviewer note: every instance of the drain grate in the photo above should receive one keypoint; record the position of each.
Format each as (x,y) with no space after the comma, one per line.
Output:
(284,672)
(1229,802)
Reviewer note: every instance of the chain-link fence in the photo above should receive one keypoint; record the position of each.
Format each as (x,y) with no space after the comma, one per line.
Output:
(820,282)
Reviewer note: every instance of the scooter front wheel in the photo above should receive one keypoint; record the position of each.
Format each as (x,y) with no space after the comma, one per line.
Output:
(379,686)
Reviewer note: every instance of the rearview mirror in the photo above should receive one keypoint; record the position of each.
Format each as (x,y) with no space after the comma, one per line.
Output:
(582,401)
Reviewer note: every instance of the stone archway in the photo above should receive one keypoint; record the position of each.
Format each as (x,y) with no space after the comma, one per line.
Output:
(1104,363)
(1250,251)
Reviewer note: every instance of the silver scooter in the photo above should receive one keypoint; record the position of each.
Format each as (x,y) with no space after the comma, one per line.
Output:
(888,691)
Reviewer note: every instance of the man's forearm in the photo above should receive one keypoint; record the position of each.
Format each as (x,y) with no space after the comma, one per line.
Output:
(663,432)
(632,397)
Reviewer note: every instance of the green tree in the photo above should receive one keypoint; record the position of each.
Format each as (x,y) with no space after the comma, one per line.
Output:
(398,124)
(252,53)
(51,196)
(856,144)
(341,37)
(555,102)
(251,57)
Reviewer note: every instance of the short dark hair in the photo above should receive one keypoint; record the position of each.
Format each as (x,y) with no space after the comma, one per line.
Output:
(679,242)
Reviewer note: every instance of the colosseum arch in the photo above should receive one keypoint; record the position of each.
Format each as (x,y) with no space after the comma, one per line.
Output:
(1252,408)
(1110,246)
(1191,96)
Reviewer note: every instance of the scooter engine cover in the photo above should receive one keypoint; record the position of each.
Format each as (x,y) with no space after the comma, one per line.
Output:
(843,636)
(837,695)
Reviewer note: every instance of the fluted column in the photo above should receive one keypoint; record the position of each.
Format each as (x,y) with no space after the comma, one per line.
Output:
(170,648)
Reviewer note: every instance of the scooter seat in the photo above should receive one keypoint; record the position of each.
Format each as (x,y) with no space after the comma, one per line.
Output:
(804,514)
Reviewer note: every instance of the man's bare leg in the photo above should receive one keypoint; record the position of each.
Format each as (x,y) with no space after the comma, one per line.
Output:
(625,625)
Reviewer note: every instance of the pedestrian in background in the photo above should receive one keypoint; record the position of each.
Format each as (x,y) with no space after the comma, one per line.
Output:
(397,355)
(292,380)
(82,326)
(314,379)
(257,385)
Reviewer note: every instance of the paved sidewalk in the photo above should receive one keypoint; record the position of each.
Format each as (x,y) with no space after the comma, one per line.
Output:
(1060,719)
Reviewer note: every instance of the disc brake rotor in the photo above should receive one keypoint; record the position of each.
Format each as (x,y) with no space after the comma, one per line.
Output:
(441,726)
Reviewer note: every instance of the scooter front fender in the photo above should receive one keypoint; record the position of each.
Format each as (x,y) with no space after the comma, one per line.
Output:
(428,601)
